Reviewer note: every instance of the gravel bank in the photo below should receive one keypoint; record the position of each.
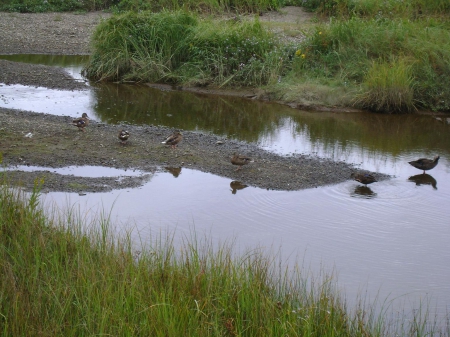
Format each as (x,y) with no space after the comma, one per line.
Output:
(47,33)
(56,143)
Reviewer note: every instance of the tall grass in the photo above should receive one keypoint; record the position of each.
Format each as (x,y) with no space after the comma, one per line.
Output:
(388,87)
(201,6)
(378,8)
(179,47)
(358,52)
(61,276)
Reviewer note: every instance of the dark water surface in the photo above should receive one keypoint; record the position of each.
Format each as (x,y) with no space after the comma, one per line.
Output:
(389,238)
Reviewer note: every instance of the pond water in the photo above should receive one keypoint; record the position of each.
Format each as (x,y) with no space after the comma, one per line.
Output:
(387,240)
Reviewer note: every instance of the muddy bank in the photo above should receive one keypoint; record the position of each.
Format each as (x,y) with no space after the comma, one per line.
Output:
(52,141)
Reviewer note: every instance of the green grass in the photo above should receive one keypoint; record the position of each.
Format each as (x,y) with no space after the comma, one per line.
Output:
(176,47)
(200,6)
(40,6)
(378,8)
(381,64)
(391,65)
(65,275)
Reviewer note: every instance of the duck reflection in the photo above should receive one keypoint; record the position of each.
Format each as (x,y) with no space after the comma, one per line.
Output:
(424,179)
(176,171)
(236,185)
(364,192)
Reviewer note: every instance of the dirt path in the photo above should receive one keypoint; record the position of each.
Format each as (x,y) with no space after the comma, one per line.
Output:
(54,142)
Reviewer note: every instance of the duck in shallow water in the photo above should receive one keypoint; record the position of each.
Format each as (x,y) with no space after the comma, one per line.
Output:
(81,122)
(425,164)
(240,160)
(173,139)
(363,178)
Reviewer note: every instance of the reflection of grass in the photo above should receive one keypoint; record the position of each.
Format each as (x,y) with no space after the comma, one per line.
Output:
(61,279)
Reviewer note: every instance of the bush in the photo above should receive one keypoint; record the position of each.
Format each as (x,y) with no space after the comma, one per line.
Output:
(177,47)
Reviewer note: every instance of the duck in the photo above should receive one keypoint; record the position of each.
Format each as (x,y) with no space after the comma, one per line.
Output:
(363,178)
(237,185)
(425,164)
(81,122)
(176,171)
(173,139)
(123,136)
(240,160)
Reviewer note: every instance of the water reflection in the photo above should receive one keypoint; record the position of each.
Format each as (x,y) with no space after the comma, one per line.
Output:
(176,171)
(237,185)
(229,116)
(424,179)
(72,63)
(364,192)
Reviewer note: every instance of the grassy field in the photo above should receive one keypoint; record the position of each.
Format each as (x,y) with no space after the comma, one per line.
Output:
(63,276)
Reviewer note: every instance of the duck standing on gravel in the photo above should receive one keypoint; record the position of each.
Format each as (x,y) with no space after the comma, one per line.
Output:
(123,136)
(425,164)
(363,178)
(81,122)
(240,160)
(173,139)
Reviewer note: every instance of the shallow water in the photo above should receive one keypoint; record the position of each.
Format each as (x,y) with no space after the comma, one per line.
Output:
(389,238)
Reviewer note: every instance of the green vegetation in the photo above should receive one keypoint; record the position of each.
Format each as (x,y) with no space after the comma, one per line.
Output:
(175,47)
(201,6)
(40,6)
(397,64)
(62,276)
(392,58)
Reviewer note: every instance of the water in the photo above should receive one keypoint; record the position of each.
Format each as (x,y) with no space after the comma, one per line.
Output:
(389,238)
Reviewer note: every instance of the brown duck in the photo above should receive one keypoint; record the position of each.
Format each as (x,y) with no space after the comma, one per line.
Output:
(240,160)
(81,122)
(425,164)
(123,136)
(173,139)
(237,185)
(363,178)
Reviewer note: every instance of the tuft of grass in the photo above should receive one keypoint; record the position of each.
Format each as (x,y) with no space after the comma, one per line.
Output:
(388,87)
(178,47)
